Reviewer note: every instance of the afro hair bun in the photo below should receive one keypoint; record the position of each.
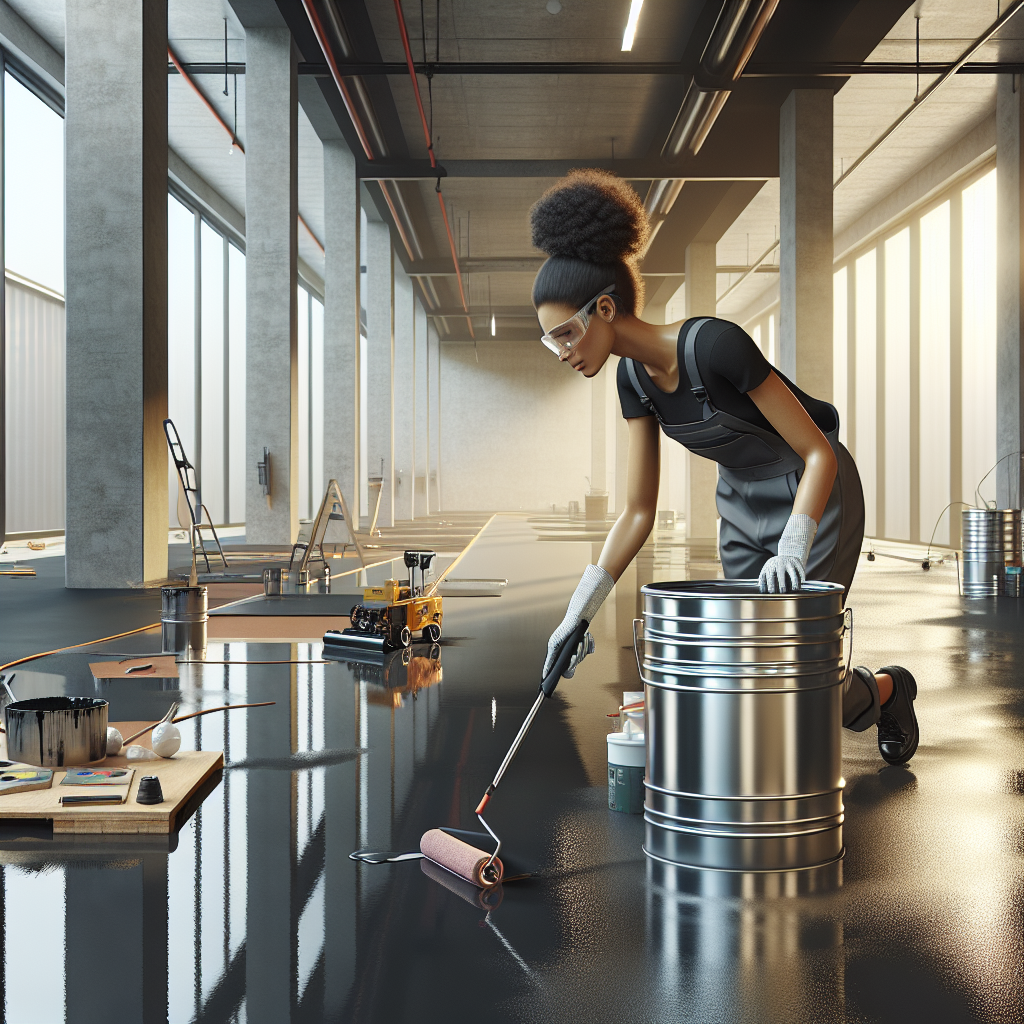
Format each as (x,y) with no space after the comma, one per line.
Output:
(590,215)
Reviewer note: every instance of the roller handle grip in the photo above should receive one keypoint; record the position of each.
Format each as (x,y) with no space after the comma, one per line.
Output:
(564,656)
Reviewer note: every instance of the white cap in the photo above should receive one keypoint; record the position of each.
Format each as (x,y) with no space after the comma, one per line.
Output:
(627,751)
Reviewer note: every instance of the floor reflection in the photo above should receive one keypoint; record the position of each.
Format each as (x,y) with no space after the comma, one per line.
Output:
(255,912)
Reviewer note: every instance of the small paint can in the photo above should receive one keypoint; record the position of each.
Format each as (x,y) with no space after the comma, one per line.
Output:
(183,618)
(627,757)
(1012,581)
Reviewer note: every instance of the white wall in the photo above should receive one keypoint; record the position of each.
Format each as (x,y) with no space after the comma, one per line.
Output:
(35,410)
(516,429)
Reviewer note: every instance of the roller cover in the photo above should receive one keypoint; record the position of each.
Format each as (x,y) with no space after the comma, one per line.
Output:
(458,857)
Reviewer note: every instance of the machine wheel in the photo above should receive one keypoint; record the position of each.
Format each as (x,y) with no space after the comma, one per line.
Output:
(405,637)
(432,631)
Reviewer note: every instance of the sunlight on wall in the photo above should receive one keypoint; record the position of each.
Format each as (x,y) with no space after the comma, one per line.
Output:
(934,374)
(897,386)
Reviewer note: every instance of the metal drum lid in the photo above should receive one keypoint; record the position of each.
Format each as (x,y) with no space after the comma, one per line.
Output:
(741,600)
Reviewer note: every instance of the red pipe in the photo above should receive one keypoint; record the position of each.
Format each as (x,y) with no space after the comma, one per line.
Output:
(209,106)
(430,151)
(415,82)
(321,38)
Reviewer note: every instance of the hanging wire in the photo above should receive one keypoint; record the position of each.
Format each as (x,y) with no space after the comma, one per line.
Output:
(981,502)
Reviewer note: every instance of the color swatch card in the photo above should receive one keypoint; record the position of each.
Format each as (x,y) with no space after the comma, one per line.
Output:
(98,777)
(23,779)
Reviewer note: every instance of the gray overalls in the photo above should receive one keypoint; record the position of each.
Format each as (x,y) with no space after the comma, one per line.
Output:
(758,474)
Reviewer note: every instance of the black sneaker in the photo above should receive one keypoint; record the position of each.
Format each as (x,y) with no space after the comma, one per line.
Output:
(897,727)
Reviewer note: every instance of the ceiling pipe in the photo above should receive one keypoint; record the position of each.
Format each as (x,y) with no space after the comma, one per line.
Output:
(736,34)
(661,197)
(235,144)
(309,231)
(932,89)
(404,228)
(356,70)
(430,152)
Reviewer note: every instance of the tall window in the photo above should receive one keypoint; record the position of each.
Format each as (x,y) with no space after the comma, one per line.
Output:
(311,403)
(904,380)
(897,385)
(934,374)
(206,360)
(33,155)
(979,338)
(839,321)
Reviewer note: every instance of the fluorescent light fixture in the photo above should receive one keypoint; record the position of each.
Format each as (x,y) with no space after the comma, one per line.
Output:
(634,17)
(493,326)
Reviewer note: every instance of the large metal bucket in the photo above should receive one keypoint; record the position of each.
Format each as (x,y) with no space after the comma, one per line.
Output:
(744,717)
(991,541)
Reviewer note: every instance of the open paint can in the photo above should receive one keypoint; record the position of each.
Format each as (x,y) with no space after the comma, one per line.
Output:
(53,732)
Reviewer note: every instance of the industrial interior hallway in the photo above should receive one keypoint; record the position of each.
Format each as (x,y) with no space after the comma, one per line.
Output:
(256,912)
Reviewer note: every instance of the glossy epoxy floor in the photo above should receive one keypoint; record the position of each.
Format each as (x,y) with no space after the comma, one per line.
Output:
(258,914)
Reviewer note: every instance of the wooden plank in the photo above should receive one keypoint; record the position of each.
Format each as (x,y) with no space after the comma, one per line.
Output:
(164,667)
(180,778)
(277,628)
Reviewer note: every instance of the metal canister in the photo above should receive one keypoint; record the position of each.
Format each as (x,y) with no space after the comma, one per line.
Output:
(52,732)
(1012,581)
(744,719)
(991,541)
(183,620)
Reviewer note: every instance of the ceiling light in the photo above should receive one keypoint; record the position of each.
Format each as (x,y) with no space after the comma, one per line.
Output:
(553,6)
(493,326)
(634,17)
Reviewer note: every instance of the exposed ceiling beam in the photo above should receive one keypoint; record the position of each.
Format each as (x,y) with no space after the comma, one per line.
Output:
(644,169)
(476,265)
(647,69)
(501,312)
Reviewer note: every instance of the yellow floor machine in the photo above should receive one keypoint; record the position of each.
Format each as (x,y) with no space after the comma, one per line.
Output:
(391,614)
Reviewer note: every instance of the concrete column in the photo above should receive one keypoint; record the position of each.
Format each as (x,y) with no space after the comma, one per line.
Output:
(116,292)
(701,474)
(1009,291)
(405,396)
(341,321)
(805,210)
(271,249)
(434,392)
(421,443)
(380,358)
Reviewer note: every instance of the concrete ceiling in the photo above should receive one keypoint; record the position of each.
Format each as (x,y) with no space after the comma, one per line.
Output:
(586,118)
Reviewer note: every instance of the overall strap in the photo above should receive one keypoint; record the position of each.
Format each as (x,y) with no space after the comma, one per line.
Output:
(635,381)
(690,360)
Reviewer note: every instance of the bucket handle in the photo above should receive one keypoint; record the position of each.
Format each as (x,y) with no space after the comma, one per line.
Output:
(848,637)
(638,639)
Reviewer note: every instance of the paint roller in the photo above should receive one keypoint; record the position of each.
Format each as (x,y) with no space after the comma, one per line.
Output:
(470,862)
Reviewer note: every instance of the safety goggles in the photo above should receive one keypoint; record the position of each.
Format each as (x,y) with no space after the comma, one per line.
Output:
(565,337)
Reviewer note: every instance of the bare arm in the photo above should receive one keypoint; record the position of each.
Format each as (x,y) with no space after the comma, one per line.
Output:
(785,413)
(634,525)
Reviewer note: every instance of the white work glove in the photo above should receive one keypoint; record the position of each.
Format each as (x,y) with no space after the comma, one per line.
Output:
(786,571)
(593,588)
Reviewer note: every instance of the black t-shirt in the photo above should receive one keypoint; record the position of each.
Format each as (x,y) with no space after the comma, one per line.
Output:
(730,365)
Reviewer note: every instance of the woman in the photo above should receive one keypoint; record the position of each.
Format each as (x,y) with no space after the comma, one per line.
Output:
(789,496)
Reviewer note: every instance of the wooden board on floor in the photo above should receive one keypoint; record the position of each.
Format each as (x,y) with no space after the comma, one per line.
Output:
(164,667)
(273,628)
(181,778)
